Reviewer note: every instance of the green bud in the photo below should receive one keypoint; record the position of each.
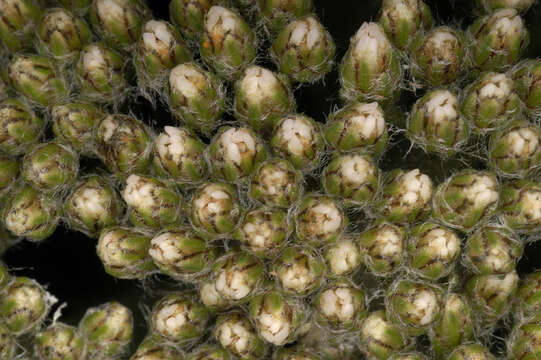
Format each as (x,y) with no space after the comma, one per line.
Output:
(492,249)
(342,258)
(179,319)
(353,178)
(382,248)
(327,346)
(119,22)
(19,126)
(454,327)
(370,70)
(238,276)
(491,102)
(359,126)
(341,306)
(209,352)
(189,15)
(497,40)
(264,231)
(297,352)
(491,295)
(74,124)
(124,252)
(196,97)
(92,205)
(527,76)
(107,330)
(9,174)
(151,349)
(520,206)
(471,351)
(405,196)
(299,270)
(30,214)
(516,149)
(432,250)
(524,342)
(304,50)
(403,19)
(215,209)
(228,44)
(8,346)
(62,35)
(262,98)
(50,167)
(24,304)
(181,254)
(379,338)
(276,14)
(17,25)
(100,74)
(80,7)
(490,5)
(235,333)
(529,294)
(466,199)
(124,144)
(408,356)
(60,342)
(38,79)
(439,56)
(277,318)
(275,183)
(319,220)
(159,49)
(178,155)
(298,139)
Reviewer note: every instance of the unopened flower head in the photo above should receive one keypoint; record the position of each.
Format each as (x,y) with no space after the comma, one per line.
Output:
(196,97)
(107,330)
(527,76)
(492,249)
(360,126)
(92,205)
(370,70)
(276,14)
(119,22)
(17,25)
(181,254)
(30,214)
(491,102)
(60,342)
(490,5)
(264,231)
(524,340)
(275,183)
(299,270)
(436,123)
(236,334)
(124,144)
(19,126)
(23,305)
(529,294)
(228,44)
(62,35)
(38,79)
(432,250)
(298,138)
(262,97)
(178,155)
(403,19)
(100,74)
(159,49)
(319,220)
(209,352)
(211,298)
(520,207)
(413,305)
(179,319)
(215,209)
(152,203)
(466,199)
(304,50)
(74,124)
(189,15)
(383,248)
(516,150)
(455,326)
(50,167)
(497,40)
(153,349)
(342,258)
(124,252)
(471,351)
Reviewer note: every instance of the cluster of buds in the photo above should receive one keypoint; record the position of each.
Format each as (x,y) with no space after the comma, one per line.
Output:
(18,22)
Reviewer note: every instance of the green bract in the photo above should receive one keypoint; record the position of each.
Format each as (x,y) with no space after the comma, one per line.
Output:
(188,16)
(529,294)
(153,349)
(124,252)
(295,353)
(19,126)
(107,330)
(520,206)
(77,6)
(7,343)
(471,351)
(527,76)
(60,342)
(228,44)
(276,14)
(209,352)
(304,50)
(17,25)
(382,248)
(235,333)
(9,174)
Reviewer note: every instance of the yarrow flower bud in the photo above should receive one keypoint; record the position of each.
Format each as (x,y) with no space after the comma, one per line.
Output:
(235,333)
(189,15)
(153,349)
(276,14)
(471,351)
(275,183)
(382,248)
(527,76)
(342,258)
(60,342)
(17,25)
(19,126)
(520,207)
(490,5)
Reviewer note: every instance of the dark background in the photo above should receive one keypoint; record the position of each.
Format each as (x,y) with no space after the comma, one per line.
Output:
(67,263)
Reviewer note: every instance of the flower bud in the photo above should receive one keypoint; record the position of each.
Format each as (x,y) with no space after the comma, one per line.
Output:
(297,352)
(471,351)
(529,294)
(342,258)
(189,15)
(19,126)
(235,333)
(211,298)
(7,343)
(80,7)
(520,207)
(152,349)
(60,342)
(18,22)
(209,352)
(382,248)
(524,341)
(276,14)
(527,78)
(490,5)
